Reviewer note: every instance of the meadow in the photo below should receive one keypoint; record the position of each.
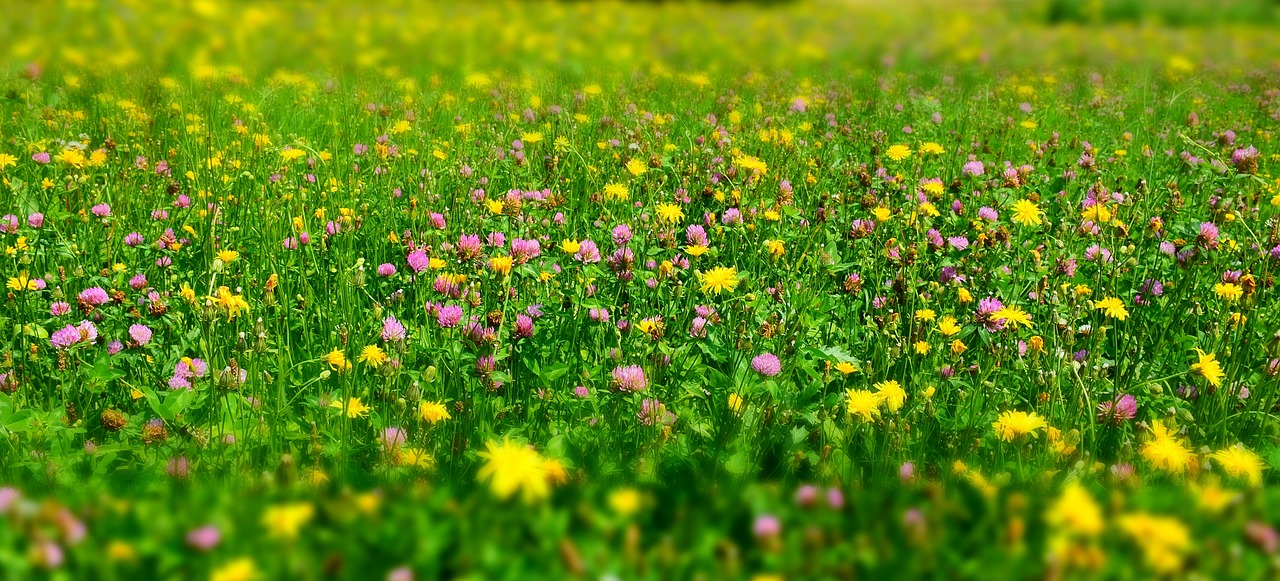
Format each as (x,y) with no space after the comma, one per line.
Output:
(639,291)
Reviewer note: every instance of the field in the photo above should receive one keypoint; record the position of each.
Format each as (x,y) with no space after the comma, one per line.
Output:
(639,291)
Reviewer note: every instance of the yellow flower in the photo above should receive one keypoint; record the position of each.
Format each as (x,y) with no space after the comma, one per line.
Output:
(501,264)
(891,394)
(898,152)
(881,213)
(752,164)
(863,403)
(1075,512)
(617,191)
(292,154)
(636,167)
(926,315)
(353,406)
(958,347)
(1240,462)
(22,282)
(625,501)
(512,467)
(1166,452)
(1027,213)
(963,295)
(719,279)
(670,213)
(948,326)
(735,403)
(570,246)
(1113,307)
(242,569)
(695,250)
(931,147)
(1012,424)
(494,206)
(846,368)
(1208,367)
(1228,292)
(231,304)
(775,248)
(373,355)
(1013,316)
(227,256)
(285,521)
(433,412)
(531,137)
(7,160)
(921,347)
(337,360)
(1164,540)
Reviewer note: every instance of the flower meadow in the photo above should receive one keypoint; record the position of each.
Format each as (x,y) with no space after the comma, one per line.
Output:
(620,291)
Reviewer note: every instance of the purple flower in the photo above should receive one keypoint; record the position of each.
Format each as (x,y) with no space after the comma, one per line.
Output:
(387,269)
(204,538)
(138,282)
(101,210)
(989,214)
(59,308)
(1208,236)
(1118,411)
(696,235)
(392,330)
(41,158)
(621,234)
(588,252)
(973,169)
(392,437)
(1245,159)
(766,364)
(449,316)
(141,334)
(766,526)
(654,413)
(469,246)
(417,260)
(524,326)
(35,220)
(65,337)
(178,468)
(958,242)
(581,391)
(629,378)
(94,296)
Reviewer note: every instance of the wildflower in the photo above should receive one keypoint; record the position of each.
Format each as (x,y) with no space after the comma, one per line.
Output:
(354,408)
(670,213)
(23,282)
(570,246)
(1013,316)
(1012,424)
(141,334)
(392,330)
(735,403)
(1027,213)
(636,167)
(1113,307)
(1240,462)
(775,248)
(232,305)
(862,403)
(752,164)
(337,360)
(898,152)
(285,521)
(1076,512)
(433,412)
(625,501)
(501,265)
(1228,291)
(1208,367)
(512,467)
(766,364)
(373,356)
(1164,540)
(719,279)
(242,569)
(891,394)
(1118,411)
(629,378)
(227,256)
(948,326)
(846,367)
(1166,452)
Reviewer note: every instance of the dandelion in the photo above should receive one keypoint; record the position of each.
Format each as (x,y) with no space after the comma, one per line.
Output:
(1013,424)
(752,164)
(373,356)
(1012,316)
(719,279)
(1027,213)
(1164,451)
(898,152)
(1076,512)
(1228,292)
(1240,462)
(862,403)
(1209,368)
(891,394)
(285,521)
(1164,540)
(337,360)
(669,213)
(636,167)
(354,408)
(512,467)
(433,412)
(1112,307)
(948,326)
(242,569)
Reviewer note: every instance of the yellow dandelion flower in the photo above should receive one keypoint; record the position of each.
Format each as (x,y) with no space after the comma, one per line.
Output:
(1027,213)
(1113,307)
(898,152)
(863,404)
(433,412)
(1240,462)
(719,279)
(1209,368)
(1012,424)
(891,394)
